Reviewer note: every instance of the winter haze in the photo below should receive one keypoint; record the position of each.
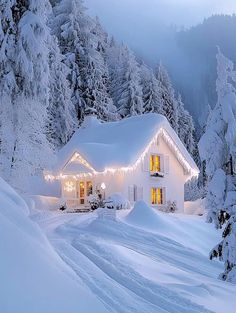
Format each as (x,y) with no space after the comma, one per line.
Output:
(149,27)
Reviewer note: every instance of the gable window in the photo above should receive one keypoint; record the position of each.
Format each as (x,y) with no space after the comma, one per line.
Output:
(155,163)
(157,196)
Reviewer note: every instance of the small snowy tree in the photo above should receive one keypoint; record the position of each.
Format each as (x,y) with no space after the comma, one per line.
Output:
(217,148)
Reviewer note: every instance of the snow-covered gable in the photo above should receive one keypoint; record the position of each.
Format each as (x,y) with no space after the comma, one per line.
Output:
(121,144)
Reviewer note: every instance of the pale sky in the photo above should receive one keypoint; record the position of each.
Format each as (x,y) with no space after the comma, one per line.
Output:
(180,12)
(132,21)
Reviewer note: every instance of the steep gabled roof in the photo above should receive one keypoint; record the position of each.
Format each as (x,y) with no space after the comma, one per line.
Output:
(115,145)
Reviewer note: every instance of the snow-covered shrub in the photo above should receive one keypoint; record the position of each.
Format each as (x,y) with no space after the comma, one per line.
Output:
(192,190)
(95,201)
(170,207)
(118,202)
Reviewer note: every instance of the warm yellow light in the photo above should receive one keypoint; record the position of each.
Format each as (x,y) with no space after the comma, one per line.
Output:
(103,186)
(155,163)
(157,196)
(69,186)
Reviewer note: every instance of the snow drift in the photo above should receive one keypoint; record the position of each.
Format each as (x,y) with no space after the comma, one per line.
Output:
(33,277)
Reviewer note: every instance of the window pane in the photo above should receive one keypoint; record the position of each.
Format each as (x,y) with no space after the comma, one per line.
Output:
(89,188)
(81,189)
(152,163)
(153,196)
(158,163)
(159,196)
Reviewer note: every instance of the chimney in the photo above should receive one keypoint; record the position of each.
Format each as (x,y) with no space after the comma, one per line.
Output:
(90,117)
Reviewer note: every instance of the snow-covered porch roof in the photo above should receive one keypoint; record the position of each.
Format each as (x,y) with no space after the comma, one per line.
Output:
(99,147)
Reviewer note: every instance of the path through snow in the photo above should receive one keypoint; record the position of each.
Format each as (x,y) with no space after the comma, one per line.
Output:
(132,269)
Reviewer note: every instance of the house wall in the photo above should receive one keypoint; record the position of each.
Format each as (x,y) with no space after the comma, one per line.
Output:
(172,182)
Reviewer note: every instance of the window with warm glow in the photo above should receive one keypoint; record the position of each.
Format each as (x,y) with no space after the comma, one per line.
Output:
(81,190)
(155,163)
(157,196)
(89,187)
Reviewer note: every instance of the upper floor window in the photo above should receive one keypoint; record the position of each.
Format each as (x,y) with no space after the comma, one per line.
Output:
(155,163)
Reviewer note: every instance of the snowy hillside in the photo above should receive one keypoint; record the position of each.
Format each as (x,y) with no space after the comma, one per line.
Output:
(144,261)
(33,277)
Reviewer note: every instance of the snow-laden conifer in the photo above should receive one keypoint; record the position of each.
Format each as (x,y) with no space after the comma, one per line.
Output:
(24,85)
(218,150)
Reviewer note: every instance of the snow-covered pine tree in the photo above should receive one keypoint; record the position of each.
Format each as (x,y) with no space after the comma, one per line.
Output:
(151,92)
(94,75)
(129,93)
(186,128)
(115,62)
(68,24)
(83,42)
(62,120)
(8,86)
(24,81)
(218,149)
(169,104)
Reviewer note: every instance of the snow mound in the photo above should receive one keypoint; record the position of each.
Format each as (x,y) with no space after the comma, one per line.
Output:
(181,228)
(33,276)
(146,217)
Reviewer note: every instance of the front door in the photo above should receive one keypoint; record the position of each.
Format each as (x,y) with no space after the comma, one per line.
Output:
(84,190)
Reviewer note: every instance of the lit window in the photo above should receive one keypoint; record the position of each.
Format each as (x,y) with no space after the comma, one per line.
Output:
(155,163)
(157,196)
(89,188)
(81,190)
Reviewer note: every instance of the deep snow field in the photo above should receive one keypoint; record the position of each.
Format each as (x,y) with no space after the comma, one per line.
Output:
(143,261)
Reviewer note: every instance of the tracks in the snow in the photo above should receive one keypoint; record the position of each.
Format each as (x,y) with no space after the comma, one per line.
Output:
(118,285)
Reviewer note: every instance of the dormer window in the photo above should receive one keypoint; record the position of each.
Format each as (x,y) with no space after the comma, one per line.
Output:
(155,163)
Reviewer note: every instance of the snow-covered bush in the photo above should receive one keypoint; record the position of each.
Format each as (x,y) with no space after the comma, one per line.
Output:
(170,207)
(95,201)
(118,202)
(192,190)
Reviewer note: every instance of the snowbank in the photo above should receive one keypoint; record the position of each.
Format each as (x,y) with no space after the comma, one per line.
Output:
(194,207)
(33,277)
(190,231)
(146,217)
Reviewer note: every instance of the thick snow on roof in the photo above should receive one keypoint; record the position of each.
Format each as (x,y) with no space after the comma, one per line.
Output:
(117,144)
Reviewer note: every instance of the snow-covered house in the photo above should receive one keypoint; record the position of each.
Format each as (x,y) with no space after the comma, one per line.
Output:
(140,157)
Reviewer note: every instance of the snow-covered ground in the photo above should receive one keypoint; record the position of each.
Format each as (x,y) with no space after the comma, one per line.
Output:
(33,278)
(144,261)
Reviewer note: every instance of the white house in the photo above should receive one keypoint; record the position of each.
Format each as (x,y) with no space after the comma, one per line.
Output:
(140,157)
